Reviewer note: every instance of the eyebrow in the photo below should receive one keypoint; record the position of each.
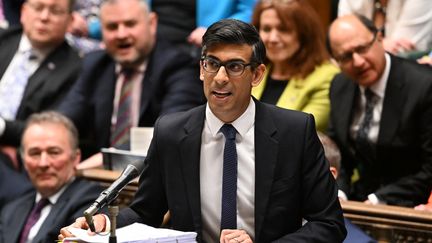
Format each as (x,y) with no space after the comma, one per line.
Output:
(230,60)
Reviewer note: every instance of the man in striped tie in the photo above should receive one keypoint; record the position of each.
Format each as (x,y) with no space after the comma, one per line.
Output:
(131,83)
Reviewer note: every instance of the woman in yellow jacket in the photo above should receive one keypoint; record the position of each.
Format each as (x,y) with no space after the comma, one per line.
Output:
(299,71)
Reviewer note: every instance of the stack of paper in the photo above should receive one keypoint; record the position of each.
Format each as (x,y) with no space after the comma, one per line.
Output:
(135,233)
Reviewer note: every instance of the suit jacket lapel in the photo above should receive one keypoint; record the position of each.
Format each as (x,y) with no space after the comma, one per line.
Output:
(394,99)
(190,147)
(104,97)
(51,220)
(6,54)
(19,219)
(344,108)
(46,68)
(266,150)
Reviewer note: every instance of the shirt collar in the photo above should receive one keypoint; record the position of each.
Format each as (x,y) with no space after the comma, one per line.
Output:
(241,124)
(54,198)
(379,87)
(140,69)
(25,46)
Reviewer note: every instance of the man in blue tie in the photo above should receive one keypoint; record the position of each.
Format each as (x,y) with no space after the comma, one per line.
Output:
(270,158)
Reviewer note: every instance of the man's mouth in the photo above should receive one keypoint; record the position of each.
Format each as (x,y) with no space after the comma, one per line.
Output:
(124,45)
(221,94)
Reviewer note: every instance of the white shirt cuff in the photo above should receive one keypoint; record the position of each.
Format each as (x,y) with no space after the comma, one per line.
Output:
(2,126)
(342,195)
(374,199)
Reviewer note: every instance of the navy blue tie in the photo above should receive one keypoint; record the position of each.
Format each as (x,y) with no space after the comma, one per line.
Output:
(229,184)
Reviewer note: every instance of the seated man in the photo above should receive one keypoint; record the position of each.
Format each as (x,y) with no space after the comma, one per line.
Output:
(132,82)
(381,116)
(37,69)
(236,169)
(50,153)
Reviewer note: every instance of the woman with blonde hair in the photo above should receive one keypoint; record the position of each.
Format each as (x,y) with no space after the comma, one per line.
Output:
(299,71)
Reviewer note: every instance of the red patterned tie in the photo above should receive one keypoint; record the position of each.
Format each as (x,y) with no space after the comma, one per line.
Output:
(120,134)
(33,218)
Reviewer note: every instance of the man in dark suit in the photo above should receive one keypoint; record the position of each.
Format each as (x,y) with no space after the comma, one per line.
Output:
(50,152)
(280,172)
(381,116)
(36,71)
(164,80)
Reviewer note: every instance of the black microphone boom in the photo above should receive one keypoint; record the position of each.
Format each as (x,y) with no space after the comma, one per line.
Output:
(111,193)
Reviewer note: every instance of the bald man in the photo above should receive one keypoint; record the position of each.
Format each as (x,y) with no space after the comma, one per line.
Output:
(381,117)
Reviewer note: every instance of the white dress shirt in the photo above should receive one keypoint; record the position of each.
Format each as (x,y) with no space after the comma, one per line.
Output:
(211,171)
(378,89)
(45,211)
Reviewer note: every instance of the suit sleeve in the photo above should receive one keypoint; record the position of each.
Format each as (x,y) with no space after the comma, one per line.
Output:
(415,188)
(319,202)
(150,203)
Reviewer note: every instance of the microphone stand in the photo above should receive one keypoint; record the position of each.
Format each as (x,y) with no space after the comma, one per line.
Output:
(113,210)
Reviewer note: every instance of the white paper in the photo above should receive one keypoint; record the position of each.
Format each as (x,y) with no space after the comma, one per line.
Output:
(138,233)
(140,139)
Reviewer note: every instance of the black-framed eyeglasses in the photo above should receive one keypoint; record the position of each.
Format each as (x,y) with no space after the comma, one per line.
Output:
(347,57)
(233,68)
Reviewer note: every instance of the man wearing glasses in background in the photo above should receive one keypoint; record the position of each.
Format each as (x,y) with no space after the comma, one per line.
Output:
(381,118)
(236,169)
(37,69)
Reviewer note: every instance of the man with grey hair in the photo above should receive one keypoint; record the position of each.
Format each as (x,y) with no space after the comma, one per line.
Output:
(50,153)
(37,69)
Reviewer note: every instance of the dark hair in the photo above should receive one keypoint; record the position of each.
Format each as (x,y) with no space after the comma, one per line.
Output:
(369,24)
(231,31)
(306,23)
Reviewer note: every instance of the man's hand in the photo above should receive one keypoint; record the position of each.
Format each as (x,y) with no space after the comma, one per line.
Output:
(396,46)
(195,37)
(11,152)
(93,161)
(234,236)
(99,221)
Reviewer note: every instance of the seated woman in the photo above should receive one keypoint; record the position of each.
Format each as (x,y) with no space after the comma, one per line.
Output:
(299,72)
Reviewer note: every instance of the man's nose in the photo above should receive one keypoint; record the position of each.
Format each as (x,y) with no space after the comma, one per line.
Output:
(44,159)
(221,75)
(358,59)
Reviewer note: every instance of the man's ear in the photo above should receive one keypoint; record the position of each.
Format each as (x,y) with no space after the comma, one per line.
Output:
(201,72)
(258,75)
(334,171)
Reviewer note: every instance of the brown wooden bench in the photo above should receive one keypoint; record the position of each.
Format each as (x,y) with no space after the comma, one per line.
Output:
(382,222)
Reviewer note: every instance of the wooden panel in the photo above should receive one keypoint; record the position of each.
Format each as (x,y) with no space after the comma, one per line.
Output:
(382,222)
(323,8)
(390,223)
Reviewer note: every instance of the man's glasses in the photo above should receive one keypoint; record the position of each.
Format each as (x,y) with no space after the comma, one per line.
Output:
(233,68)
(347,57)
(53,10)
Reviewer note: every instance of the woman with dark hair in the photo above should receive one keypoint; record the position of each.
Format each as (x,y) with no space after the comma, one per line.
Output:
(299,71)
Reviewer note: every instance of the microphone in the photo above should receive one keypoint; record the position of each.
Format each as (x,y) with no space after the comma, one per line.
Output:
(111,193)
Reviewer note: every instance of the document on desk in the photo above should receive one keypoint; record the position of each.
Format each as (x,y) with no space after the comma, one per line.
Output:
(136,233)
